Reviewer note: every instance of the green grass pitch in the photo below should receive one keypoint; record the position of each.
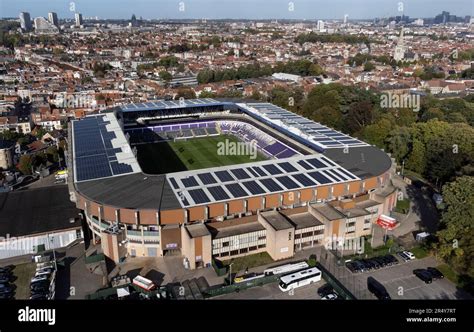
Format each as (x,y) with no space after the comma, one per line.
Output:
(195,153)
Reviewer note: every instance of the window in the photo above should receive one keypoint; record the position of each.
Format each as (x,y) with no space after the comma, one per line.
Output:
(289,236)
(261,246)
(253,248)
(225,244)
(234,252)
(78,234)
(262,237)
(244,250)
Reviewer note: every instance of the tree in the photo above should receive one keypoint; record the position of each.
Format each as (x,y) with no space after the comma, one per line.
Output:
(25,164)
(369,66)
(328,116)
(433,113)
(456,238)
(399,142)
(165,76)
(377,133)
(360,115)
(186,93)
(417,160)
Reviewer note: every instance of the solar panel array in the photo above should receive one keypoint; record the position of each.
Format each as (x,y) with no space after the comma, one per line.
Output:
(316,133)
(100,149)
(167,104)
(265,177)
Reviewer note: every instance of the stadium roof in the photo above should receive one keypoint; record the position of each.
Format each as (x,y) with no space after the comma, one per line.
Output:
(100,149)
(315,133)
(168,104)
(264,177)
(105,168)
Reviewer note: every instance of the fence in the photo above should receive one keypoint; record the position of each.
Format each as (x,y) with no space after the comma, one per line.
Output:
(221,290)
(354,283)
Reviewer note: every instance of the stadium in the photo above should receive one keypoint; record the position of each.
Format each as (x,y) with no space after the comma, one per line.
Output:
(151,181)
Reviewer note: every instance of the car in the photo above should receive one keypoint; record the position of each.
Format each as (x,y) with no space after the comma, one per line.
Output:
(352,267)
(43,273)
(38,297)
(4,288)
(6,296)
(367,264)
(5,278)
(39,291)
(325,290)
(376,265)
(39,287)
(46,270)
(39,278)
(403,256)
(43,265)
(330,296)
(423,275)
(6,269)
(409,254)
(361,267)
(392,259)
(435,273)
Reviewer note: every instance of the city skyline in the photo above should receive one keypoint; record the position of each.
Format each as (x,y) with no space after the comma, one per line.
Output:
(230,9)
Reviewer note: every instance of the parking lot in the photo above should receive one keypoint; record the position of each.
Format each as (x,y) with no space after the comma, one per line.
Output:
(272,292)
(401,283)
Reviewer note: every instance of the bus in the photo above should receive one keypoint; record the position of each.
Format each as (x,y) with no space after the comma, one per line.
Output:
(144,283)
(287,268)
(299,279)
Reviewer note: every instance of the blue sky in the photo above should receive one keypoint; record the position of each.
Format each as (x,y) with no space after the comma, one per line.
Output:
(250,9)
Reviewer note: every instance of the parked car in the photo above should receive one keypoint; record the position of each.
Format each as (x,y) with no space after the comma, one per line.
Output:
(6,269)
(423,275)
(403,256)
(38,297)
(44,265)
(374,263)
(435,273)
(381,261)
(392,259)
(47,270)
(410,255)
(352,266)
(4,279)
(39,286)
(330,296)
(361,267)
(6,288)
(6,296)
(39,278)
(325,290)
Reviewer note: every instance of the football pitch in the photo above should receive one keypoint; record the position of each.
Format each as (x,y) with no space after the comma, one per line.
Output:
(190,154)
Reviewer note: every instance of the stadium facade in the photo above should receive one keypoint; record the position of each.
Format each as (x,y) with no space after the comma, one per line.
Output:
(316,185)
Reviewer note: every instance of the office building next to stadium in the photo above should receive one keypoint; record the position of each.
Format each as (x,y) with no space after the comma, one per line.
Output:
(318,184)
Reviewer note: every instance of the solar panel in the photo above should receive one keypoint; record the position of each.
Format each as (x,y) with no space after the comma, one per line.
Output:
(190,181)
(305,165)
(174,183)
(319,177)
(272,169)
(92,167)
(199,196)
(207,178)
(218,193)
(335,175)
(329,162)
(287,167)
(253,187)
(255,174)
(287,182)
(342,170)
(236,190)
(240,173)
(316,163)
(260,171)
(304,180)
(224,176)
(271,185)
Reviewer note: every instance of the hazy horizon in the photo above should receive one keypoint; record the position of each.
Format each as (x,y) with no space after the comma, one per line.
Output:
(234,9)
